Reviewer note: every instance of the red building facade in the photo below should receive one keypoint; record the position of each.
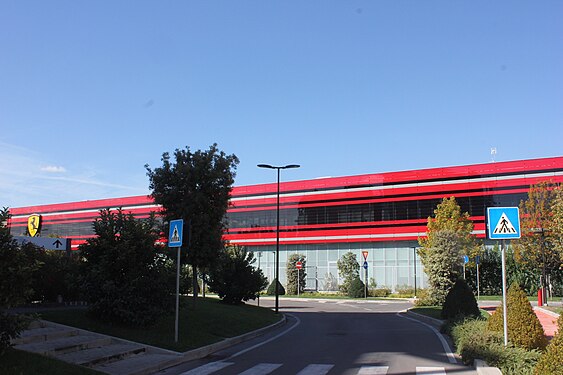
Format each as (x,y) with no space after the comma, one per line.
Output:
(383,213)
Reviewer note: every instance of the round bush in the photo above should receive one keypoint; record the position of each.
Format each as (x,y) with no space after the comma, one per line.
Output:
(460,302)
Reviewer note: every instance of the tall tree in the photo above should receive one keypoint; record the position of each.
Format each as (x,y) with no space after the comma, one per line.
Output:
(537,248)
(448,237)
(196,187)
(292,273)
(349,269)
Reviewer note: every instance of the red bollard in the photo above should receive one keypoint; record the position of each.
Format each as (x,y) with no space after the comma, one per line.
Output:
(540,297)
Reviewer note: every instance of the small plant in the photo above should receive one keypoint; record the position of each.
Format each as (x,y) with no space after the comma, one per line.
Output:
(460,302)
(380,292)
(551,361)
(524,327)
(272,289)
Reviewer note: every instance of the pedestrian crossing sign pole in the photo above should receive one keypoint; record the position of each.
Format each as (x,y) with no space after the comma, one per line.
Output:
(175,235)
(503,223)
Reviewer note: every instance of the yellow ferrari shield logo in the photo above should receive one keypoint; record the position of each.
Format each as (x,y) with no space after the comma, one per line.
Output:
(33,224)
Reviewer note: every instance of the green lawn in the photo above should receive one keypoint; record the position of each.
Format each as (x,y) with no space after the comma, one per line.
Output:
(209,322)
(16,362)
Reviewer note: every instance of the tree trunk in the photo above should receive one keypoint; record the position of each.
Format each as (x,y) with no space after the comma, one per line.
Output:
(194,283)
(203,285)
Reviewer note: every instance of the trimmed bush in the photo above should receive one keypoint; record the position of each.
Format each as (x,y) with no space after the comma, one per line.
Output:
(357,288)
(524,327)
(460,302)
(474,341)
(379,292)
(272,289)
(551,362)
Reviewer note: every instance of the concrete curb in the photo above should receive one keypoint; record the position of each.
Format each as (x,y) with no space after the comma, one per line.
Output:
(548,312)
(483,369)
(436,323)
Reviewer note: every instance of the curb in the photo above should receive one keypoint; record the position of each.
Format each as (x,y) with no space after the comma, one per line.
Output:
(436,323)
(546,311)
(483,369)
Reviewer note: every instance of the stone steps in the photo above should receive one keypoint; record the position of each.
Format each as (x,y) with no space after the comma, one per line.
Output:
(102,353)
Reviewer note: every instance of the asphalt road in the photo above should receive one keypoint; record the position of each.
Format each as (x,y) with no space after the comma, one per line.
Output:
(336,337)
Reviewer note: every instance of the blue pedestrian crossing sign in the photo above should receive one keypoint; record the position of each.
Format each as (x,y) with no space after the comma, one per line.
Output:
(175,233)
(503,223)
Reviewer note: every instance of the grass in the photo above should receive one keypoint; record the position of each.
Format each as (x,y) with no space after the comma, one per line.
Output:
(16,362)
(209,322)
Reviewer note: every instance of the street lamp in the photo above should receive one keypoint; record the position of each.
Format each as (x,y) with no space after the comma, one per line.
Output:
(277,265)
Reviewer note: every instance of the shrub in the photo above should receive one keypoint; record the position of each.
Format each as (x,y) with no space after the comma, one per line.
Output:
(524,327)
(474,341)
(379,292)
(349,268)
(460,302)
(357,288)
(551,361)
(125,277)
(423,298)
(235,279)
(272,289)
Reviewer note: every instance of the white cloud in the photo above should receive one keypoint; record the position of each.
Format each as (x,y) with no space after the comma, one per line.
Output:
(53,169)
(23,182)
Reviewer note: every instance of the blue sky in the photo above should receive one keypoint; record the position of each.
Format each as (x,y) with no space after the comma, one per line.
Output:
(90,91)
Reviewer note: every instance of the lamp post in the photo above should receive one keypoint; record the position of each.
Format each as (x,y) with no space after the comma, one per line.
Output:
(277,265)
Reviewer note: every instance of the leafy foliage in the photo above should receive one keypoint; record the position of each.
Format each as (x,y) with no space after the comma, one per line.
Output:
(272,289)
(551,361)
(442,266)
(460,302)
(124,275)
(448,236)
(235,279)
(15,282)
(473,341)
(349,269)
(357,288)
(292,273)
(524,327)
(196,187)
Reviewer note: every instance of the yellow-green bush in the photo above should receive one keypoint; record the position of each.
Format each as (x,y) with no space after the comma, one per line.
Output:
(551,362)
(524,327)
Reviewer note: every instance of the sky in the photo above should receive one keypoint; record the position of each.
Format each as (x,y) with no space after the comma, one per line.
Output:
(91,91)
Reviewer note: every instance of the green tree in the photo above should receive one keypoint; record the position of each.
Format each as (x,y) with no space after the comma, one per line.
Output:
(349,270)
(448,237)
(124,276)
(235,279)
(557,222)
(537,247)
(15,283)
(292,273)
(196,187)
(460,302)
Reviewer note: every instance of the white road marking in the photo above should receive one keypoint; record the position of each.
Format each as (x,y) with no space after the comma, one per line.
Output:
(298,321)
(315,370)
(209,368)
(430,371)
(373,370)
(445,344)
(261,369)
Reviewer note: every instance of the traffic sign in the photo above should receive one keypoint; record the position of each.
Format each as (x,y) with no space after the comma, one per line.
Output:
(465,259)
(477,259)
(298,265)
(365,265)
(365,254)
(47,243)
(176,233)
(503,223)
